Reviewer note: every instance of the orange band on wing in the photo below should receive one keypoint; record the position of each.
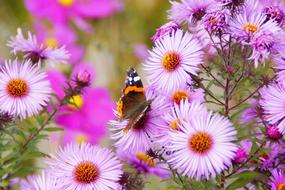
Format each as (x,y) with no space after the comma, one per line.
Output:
(133,88)
(120,108)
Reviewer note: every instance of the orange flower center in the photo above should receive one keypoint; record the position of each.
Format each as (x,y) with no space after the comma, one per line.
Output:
(171,61)
(180,95)
(175,124)
(281,186)
(250,27)
(200,143)
(146,158)
(86,172)
(17,88)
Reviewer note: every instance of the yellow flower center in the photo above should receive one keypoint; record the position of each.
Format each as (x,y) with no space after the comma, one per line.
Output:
(250,27)
(175,124)
(146,158)
(76,102)
(17,88)
(281,186)
(51,42)
(180,95)
(171,61)
(66,3)
(86,172)
(200,142)
(81,138)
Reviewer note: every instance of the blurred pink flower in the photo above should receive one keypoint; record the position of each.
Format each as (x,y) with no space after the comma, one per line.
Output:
(85,122)
(61,11)
(61,35)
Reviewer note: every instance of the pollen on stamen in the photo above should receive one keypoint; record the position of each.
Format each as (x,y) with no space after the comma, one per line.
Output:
(86,172)
(180,95)
(171,61)
(200,142)
(17,88)
(250,27)
(146,158)
(281,186)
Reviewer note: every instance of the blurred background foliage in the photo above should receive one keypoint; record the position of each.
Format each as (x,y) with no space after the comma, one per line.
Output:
(110,47)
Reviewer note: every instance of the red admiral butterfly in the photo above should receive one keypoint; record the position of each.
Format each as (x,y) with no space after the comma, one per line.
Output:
(133,105)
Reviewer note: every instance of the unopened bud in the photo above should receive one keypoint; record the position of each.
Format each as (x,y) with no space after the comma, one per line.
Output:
(83,79)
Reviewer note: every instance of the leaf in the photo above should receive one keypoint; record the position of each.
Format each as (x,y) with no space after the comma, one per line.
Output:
(244,178)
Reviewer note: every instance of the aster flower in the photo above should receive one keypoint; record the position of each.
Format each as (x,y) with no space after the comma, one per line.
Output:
(272,102)
(140,139)
(43,181)
(273,133)
(178,113)
(274,10)
(252,112)
(24,89)
(34,51)
(85,167)
(242,152)
(215,22)
(164,30)
(247,23)
(262,45)
(280,66)
(184,92)
(272,159)
(172,60)
(277,180)
(190,11)
(201,140)
(147,163)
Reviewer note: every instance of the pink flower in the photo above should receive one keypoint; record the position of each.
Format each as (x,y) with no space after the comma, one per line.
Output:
(61,11)
(59,36)
(88,115)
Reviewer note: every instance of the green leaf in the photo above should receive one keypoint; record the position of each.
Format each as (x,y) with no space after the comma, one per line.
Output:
(244,178)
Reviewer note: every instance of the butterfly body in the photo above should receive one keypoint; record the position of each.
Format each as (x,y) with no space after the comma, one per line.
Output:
(133,104)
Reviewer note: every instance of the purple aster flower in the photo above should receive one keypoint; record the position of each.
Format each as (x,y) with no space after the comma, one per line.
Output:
(184,92)
(280,62)
(190,11)
(242,152)
(277,180)
(147,163)
(24,89)
(201,139)
(172,60)
(251,113)
(85,167)
(262,45)
(273,133)
(270,161)
(141,138)
(43,181)
(36,52)
(216,22)
(273,101)
(164,30)
(247,23)
(274,10)
(178,113)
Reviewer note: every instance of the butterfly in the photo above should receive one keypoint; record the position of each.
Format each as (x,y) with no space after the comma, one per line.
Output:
(133,104)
